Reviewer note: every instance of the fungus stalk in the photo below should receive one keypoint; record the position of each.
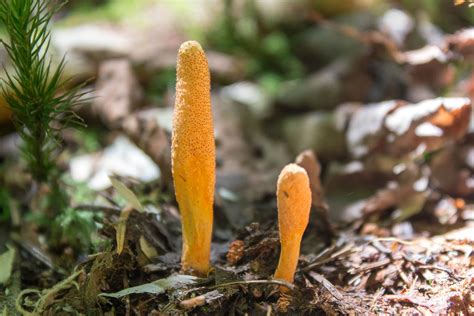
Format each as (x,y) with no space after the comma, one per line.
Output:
(294,204)
(193,156)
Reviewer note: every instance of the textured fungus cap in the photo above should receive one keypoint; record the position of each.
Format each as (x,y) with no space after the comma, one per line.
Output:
(294,204)
(294,199)
(193,156)
(193,126)
(193,66)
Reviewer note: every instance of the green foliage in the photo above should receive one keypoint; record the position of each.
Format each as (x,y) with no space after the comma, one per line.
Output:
(37,94)
(109,10)
(34,90)
(89,139)
(445,14)
(4,205)
(160,82)
(79,227)
(76,228)
(270,55)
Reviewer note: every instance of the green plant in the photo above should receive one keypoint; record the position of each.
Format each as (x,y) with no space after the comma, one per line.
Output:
(77,228)
(34,89)
(263,48)
(4,205)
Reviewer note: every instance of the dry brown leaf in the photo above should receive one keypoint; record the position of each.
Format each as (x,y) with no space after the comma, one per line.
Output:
(148,250)
(397,128)
(121,228)
(308,160)
(462,43)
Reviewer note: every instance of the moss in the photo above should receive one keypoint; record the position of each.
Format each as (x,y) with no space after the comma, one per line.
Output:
(112,11)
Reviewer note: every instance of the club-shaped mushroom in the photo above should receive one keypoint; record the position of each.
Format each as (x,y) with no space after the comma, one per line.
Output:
(193,156)
(294,204)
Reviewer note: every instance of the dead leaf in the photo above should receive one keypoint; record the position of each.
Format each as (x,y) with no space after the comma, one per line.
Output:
(121,228)
(127,194)
(156,287)
(6,263)
(328,285)
(462,42)
(200,300)
(450,170)
(308,160)
(149,251)
(411,205)
(397,128)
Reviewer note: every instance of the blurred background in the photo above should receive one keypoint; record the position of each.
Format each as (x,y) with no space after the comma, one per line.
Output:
(287,76)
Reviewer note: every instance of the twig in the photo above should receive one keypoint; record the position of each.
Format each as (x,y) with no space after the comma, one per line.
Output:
(446,270)
(406,299)
(372,266)
(400,241)
(368,38)
(403,276)
(377,295)
(19,306)
(97,208)
(247,282)
(327,284)
(269,310)
(44,299)
(342,251)
(193,302)
(37,254)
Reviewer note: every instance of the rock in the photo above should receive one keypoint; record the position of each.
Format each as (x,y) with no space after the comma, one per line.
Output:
(318,91)
(93,40)
(282,11)
(10,146)
(237,179)
(367,123)
(117,93)
(85,46)
(430,32)
(224,67)
(150,130)
(250,95)
(317,131)
(121,158)
(323,45)
(164,117)
(396,24)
